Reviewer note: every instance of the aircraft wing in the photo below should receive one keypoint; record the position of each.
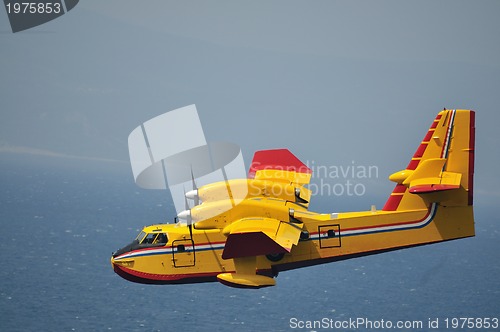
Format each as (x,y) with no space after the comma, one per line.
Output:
(260,236)
(248,238)
(279,165)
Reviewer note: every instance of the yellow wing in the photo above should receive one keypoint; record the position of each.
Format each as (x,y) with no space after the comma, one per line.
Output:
(260,236)
(251,237)
(281,165)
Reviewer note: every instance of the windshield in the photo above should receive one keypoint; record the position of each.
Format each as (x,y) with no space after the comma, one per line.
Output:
(144,240)
(140,237)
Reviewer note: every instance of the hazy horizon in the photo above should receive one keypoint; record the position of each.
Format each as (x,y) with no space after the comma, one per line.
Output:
(334,82)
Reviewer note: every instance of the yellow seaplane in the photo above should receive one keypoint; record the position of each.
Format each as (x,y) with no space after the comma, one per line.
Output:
(271,229)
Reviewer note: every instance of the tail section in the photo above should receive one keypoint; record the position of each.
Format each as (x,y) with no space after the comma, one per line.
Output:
(442,169)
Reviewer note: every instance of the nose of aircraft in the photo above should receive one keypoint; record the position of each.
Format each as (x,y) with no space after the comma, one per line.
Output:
(125,262)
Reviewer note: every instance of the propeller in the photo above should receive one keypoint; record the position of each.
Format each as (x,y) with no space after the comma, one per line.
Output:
(193,193)
(186,214)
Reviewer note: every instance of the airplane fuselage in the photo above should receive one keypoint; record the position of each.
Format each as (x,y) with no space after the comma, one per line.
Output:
(324,238)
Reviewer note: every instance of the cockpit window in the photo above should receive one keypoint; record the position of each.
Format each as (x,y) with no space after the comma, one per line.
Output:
(149,238)
(140,237)
(161,239)
(154,238)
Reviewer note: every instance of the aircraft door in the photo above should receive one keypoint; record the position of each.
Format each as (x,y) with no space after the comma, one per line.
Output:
(183,253)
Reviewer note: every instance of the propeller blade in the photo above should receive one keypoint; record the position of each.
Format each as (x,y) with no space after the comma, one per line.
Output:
(186,203)
(186,215)
(195,188)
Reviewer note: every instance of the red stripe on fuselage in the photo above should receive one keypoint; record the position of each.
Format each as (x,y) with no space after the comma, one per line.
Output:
(388,225)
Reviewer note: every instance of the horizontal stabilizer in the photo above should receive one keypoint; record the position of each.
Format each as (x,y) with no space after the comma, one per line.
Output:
(427,170)
(424,189)
(428,177)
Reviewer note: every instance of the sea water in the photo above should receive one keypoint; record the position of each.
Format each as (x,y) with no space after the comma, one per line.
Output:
(61,220)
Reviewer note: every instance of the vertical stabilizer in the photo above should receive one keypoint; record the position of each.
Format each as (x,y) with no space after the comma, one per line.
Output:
(442,169)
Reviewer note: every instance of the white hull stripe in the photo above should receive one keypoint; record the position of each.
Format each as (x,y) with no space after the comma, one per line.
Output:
(390,228)
(168,250)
